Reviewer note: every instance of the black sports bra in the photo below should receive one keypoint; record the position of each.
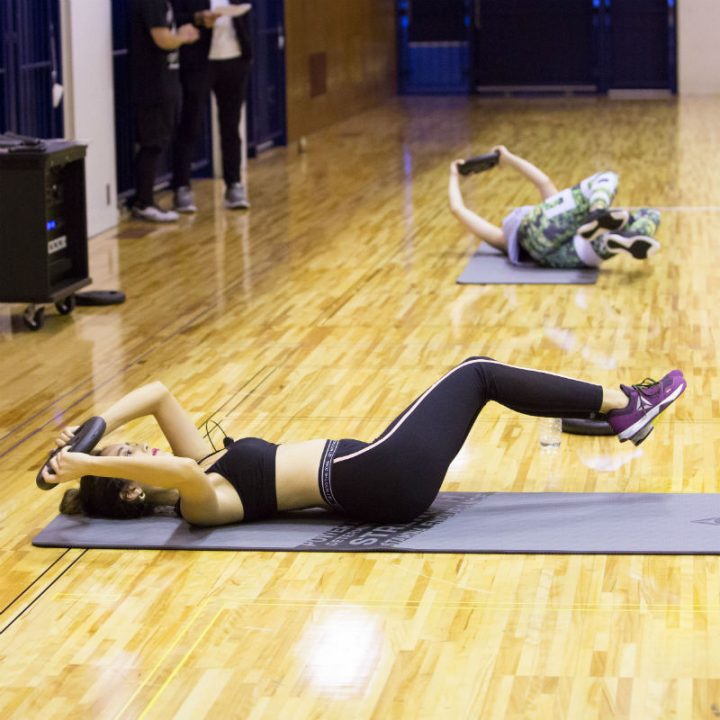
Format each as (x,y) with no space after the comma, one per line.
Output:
(249,466)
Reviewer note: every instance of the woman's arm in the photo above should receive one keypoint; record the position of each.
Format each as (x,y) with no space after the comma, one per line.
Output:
(542,182)
(164,471)
(485,230)
(156,400)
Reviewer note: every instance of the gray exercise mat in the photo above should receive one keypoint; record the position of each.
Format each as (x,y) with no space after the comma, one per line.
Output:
(606,523)
(489,266)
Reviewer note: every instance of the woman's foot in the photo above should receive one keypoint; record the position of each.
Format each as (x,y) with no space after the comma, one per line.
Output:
(637,237)
(640,247)
(646,401)
(602,220)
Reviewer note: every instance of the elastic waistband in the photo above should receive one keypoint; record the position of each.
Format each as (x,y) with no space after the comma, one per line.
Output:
(325,474)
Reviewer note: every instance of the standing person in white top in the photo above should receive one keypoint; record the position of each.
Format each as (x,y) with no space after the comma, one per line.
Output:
(219,61)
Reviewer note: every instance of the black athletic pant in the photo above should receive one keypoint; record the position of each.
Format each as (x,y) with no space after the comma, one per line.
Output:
(154,125)
(228,80)
(398,475)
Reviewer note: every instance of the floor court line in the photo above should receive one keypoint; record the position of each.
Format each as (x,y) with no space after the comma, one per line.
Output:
(489,604)
(187,625)
(179,666)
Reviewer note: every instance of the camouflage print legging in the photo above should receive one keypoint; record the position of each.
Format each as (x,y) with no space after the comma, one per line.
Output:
(547,231)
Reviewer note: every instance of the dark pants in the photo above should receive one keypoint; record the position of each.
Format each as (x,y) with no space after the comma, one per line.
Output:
(397,476)
(228,80)
(154,125)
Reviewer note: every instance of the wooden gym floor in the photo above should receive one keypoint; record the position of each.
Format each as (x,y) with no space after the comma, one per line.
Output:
(321,313)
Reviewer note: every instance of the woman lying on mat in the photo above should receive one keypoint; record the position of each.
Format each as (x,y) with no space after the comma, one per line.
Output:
(573,228)
(394,478)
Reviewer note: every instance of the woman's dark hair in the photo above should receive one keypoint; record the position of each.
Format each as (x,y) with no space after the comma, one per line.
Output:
(100,497)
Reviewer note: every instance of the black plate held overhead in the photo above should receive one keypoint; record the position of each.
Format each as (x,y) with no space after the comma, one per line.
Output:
(479,163)
(86,437)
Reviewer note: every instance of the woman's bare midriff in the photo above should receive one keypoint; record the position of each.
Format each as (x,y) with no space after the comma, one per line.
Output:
(296,475)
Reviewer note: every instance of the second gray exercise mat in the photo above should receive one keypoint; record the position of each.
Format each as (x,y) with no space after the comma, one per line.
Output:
(491,267)
(605,523)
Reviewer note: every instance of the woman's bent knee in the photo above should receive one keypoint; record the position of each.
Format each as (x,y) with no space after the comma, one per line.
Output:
(474,358)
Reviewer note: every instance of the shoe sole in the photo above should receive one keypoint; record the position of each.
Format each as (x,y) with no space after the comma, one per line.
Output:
(157,221)
(237,206)
(639,246)
(638,431)
(607,224)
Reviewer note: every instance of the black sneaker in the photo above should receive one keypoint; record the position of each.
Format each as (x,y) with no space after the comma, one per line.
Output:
(603,220)
(639,246)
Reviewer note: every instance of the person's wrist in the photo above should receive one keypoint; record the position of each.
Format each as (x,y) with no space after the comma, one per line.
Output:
(89,464)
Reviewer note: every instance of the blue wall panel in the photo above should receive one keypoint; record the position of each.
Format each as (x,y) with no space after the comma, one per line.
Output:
(3,71)
(29,30)
(437,68)
(457,46)
(266,113)
(434,46)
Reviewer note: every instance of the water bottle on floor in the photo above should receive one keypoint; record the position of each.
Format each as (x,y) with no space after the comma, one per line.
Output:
(550,434)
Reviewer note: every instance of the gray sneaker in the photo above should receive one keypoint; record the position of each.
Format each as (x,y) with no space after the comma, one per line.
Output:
(152,213)
(236,197)
(183,200)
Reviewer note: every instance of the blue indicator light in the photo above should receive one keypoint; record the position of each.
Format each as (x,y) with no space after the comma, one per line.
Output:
(51,225)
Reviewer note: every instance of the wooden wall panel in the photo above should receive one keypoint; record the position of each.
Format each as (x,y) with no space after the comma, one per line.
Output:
(357,40)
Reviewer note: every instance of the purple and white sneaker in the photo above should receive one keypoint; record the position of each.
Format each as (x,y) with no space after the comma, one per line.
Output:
(646,401)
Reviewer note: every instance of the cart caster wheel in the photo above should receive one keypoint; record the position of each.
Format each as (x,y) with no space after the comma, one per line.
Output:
(66,305)
(34,317)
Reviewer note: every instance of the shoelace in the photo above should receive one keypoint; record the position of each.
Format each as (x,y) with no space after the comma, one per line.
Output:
(646,384)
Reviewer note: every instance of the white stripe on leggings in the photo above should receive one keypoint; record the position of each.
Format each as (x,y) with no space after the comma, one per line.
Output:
(430,389)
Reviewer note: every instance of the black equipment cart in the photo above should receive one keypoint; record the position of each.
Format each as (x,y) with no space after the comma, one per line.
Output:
(43,226)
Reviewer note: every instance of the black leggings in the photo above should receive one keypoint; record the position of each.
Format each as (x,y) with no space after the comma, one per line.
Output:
(153,131)
(398,475)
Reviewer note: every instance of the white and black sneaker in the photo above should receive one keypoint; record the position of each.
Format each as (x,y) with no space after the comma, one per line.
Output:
(603,220)
(152,213)
(640,247)
(183,200)
(236,197)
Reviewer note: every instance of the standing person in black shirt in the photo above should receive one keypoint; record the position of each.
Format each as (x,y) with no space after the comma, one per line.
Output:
(219,61)
(155,90)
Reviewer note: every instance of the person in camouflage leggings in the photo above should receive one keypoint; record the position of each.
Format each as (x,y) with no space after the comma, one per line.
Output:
(572,228)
